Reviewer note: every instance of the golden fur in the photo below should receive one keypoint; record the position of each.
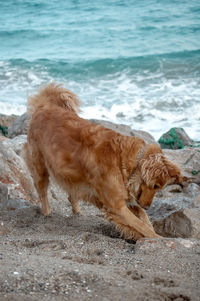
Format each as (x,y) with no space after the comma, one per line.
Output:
(118,174)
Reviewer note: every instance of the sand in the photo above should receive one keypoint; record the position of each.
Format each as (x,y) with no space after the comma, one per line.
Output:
(66,257)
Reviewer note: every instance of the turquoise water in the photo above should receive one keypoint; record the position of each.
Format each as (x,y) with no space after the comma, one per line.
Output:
(132,62)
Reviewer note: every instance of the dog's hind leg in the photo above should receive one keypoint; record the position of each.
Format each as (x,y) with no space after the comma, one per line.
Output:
(40,175)
(96,202)
(75,205)
(42,186)
(91,199)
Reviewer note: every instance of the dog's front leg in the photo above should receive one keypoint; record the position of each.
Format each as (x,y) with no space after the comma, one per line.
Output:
(113,196)
(129,224)
(141,214)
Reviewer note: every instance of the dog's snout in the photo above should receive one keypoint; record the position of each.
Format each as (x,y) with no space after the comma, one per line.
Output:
(147,207)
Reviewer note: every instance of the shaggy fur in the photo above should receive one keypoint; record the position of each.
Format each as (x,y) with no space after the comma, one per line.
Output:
(118,174)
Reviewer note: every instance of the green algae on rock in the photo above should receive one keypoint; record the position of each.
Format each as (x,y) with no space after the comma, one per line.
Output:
(4,130)
(175,138)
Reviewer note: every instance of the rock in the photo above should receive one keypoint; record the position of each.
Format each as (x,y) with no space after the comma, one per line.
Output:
(175,138)
(183,223)
(3,130)
(3,195)
(191,189)
(10,204)
(120,115)
(14,173)
(189,161)
(165,203)
(7,120)
(152,246)
(19,126)
(125,130)
(144,135)
(14,204)
(175,212)
(17,143)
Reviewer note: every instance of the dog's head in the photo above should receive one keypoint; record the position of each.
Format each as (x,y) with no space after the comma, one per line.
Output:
(153,172)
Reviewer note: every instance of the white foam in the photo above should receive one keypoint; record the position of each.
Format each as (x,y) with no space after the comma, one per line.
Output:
(147,101)
(9,109)
(156,107)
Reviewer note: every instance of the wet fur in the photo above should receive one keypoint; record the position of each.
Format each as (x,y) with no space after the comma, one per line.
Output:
(92,163)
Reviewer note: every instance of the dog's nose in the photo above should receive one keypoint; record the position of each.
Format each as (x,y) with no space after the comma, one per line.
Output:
(147,207)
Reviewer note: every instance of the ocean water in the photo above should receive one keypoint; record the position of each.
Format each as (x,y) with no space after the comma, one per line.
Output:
(131,62)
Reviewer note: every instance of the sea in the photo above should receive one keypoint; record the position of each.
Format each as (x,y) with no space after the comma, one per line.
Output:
(134,62)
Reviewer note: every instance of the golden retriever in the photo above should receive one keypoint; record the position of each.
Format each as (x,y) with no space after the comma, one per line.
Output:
(118,174)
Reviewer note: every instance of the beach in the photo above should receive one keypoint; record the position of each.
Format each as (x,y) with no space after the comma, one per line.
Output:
(83,257)
(135,65)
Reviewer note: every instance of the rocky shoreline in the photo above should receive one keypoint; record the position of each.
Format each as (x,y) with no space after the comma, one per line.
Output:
(83,258)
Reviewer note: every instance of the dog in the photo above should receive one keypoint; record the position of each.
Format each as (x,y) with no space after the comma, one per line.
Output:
(118,174)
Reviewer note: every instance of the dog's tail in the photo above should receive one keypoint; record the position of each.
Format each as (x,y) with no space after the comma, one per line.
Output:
(53,95)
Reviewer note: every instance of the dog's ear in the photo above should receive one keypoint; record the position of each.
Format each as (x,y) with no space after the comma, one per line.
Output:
(174,171)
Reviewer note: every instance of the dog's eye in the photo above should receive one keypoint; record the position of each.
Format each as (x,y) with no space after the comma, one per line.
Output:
(156,186)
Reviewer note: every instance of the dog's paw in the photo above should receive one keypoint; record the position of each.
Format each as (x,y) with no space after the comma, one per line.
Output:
(46,212)
(77,213)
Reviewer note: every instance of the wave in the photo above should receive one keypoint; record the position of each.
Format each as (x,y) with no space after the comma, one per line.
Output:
(143,92)
(186,61)
(24,33)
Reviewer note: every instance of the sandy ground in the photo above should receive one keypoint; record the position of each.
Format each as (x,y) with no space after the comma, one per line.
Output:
(65,257)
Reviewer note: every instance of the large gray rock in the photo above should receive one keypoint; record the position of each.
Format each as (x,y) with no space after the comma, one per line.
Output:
(184,222)
(175,211)
(125,130)
(17,143)
(189,161)
(14,173)
(3,195)
(16,185)
(7,120)
(19,126)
